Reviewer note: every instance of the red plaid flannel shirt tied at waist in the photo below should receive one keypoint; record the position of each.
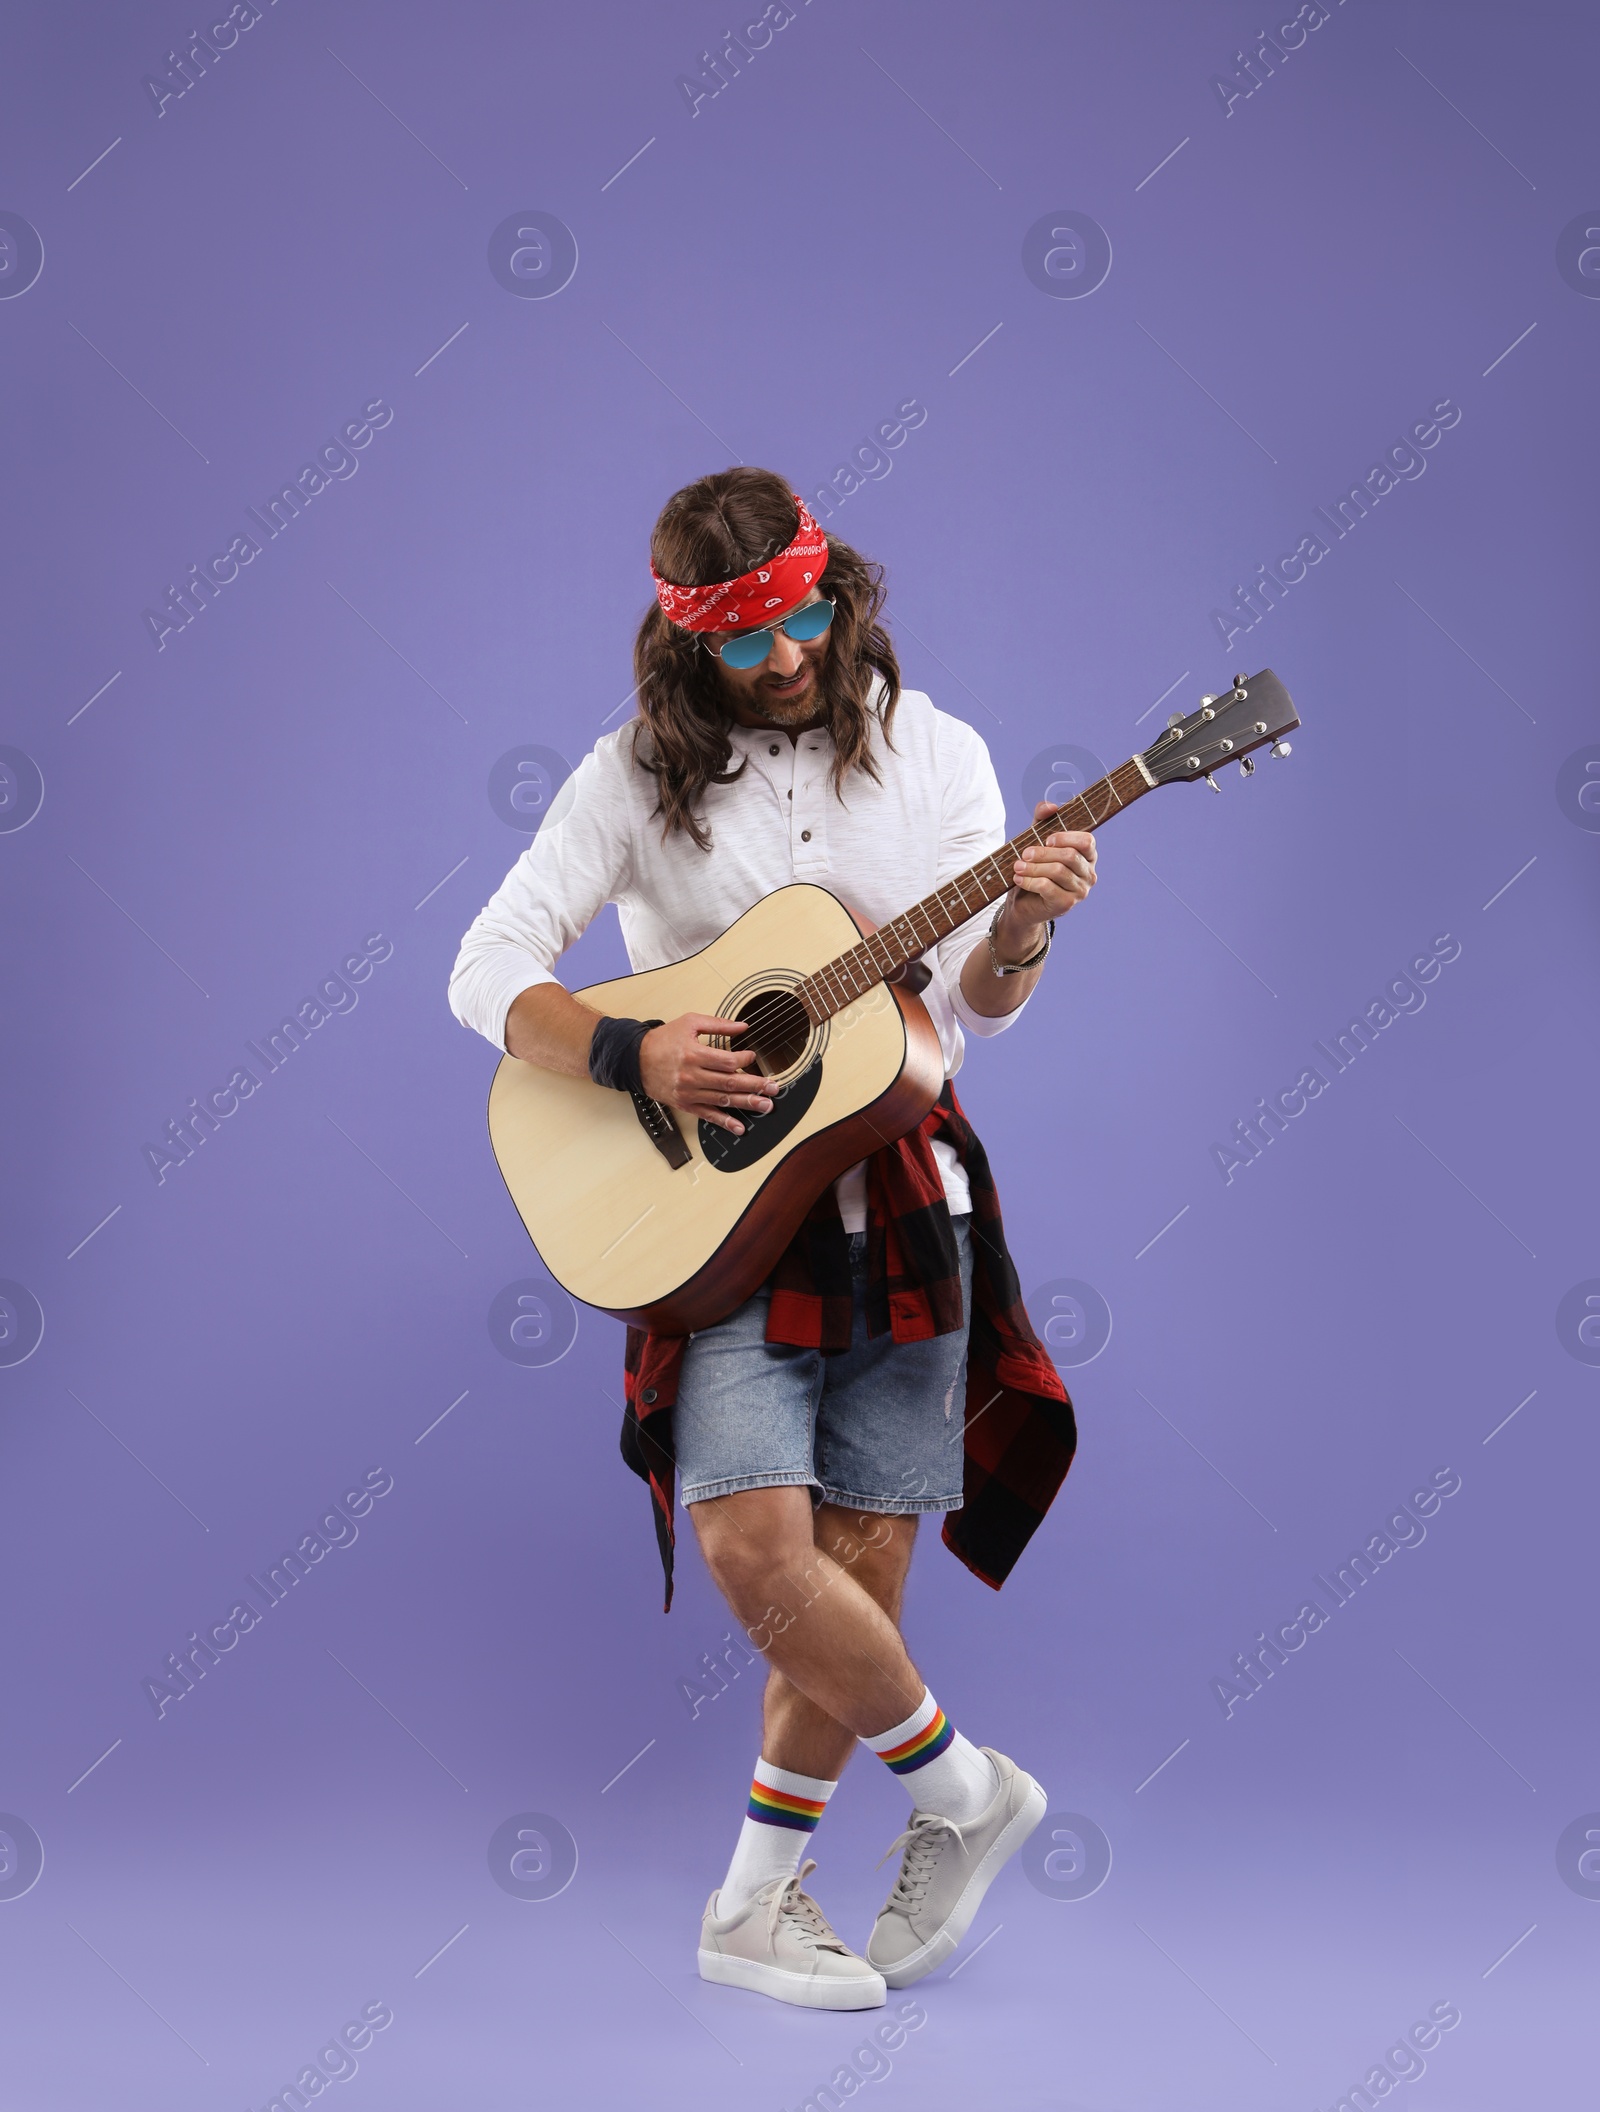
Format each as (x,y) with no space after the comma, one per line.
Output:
(1020,1433)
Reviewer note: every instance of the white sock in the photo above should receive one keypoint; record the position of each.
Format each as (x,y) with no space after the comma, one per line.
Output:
(943,1771)
(779,1821)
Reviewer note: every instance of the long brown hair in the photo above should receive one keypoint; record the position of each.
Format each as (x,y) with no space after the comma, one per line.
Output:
(713,530)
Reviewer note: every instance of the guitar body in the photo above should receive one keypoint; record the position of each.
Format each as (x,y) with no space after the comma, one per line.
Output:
(675,1229)
(676,1248)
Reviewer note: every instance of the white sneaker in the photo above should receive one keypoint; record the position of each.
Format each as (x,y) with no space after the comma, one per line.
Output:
(944,1873)
(780,1944)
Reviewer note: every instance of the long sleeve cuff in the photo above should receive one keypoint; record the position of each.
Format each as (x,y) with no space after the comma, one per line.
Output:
(983,1024)
(483,989)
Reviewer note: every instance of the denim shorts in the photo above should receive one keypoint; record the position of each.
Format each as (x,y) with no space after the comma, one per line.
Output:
(878,1427)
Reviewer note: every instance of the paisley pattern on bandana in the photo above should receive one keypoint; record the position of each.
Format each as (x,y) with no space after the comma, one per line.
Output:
(748,601)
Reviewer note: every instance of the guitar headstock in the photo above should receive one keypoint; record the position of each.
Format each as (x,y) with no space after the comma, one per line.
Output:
(1256,713)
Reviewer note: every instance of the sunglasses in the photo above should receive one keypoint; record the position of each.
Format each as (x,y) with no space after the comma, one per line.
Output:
(750,648)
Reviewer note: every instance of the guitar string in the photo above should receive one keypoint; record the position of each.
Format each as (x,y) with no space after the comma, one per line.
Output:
(899,939)
(851,974)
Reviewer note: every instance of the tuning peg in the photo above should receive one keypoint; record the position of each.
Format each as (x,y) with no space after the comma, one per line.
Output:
(1211,781)
(1175,722)
(1239,689)
(1281,748)
(1247,766)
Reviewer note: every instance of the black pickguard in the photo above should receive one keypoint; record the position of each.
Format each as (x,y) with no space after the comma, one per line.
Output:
(726,1153)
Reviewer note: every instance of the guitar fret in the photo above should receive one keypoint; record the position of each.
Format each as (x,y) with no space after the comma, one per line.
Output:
(840,981)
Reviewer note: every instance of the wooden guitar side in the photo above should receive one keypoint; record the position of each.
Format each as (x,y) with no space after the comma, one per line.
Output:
(678,1248)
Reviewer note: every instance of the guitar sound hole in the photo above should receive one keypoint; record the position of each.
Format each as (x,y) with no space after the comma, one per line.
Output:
(778,1029)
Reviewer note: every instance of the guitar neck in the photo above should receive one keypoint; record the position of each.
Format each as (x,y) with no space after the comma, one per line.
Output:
(911,933)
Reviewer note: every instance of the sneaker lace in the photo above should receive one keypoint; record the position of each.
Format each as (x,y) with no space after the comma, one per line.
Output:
(805,1918)
(922,1841)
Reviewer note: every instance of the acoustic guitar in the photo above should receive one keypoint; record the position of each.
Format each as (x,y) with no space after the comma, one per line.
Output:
(671,1222)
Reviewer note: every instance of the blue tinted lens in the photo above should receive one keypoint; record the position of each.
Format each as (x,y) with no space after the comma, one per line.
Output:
(811,621)
(748,651)
(753,648)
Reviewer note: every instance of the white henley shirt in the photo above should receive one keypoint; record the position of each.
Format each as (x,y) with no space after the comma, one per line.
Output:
(935,809)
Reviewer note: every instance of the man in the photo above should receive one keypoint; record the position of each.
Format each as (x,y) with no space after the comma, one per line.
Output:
(814,1425)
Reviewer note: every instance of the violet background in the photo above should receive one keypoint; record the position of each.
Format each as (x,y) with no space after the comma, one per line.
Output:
(307,763)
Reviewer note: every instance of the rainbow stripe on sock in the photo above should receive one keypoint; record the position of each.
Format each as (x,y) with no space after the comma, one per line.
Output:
(780,1807)
(927,1745)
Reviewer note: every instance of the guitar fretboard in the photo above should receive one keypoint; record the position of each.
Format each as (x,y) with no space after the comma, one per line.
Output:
(911,933)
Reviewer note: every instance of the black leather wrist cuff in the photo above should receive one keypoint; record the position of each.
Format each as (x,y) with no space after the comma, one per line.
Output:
(614,1053)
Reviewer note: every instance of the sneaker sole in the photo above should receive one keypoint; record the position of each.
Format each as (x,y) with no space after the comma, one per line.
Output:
(928,1957)
(804,1990)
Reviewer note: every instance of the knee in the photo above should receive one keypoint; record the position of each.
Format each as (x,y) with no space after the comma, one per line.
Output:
(874,1547)
(751,1579)
(751,1546)
(745,1579)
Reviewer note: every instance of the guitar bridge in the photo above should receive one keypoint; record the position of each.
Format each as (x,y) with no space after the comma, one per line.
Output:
(657,1123)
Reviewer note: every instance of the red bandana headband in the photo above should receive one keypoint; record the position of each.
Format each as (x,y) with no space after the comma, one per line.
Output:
(731,603)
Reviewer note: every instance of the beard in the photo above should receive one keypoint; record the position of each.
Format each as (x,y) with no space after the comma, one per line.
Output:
(792,708)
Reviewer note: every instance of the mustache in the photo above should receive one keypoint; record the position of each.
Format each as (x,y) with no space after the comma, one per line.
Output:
(811,661)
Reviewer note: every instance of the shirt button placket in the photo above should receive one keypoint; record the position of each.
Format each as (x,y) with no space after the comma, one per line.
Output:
(782,767)
(807,822)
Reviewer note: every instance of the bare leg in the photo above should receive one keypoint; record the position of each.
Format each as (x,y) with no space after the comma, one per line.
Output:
(819,1595)
(875,1547)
